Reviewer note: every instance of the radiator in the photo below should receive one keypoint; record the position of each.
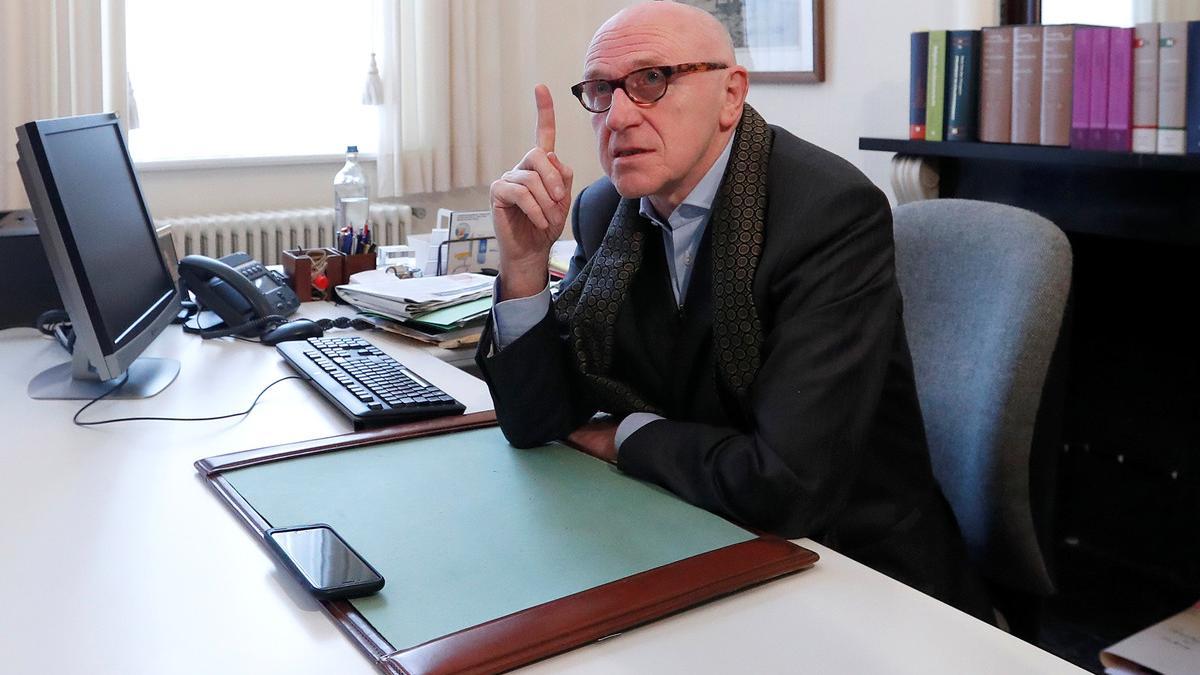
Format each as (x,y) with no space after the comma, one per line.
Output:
(263,234)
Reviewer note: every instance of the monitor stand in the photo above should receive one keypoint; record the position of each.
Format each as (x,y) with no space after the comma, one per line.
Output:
(145,377)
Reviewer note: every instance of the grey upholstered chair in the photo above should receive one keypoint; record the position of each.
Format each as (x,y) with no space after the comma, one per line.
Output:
(985,290)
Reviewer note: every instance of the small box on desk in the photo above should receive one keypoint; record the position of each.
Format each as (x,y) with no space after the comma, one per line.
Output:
(302,266)
(355,263)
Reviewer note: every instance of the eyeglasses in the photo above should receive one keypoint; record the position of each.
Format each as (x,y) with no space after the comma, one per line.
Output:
(645,85)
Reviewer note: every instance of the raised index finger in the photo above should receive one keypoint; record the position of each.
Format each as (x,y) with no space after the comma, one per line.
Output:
(545,118)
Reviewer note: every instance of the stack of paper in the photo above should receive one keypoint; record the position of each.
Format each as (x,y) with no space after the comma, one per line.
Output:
(560,257)
(446,310)
(403,299)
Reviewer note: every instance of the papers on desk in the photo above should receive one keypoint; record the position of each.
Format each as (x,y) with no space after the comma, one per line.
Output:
(1169,647)
(404,299)
(447,310)
(560,257)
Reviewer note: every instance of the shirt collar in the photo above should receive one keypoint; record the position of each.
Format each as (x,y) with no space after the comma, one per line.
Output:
(699,200)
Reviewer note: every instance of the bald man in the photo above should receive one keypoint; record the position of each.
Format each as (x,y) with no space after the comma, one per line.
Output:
(731,305)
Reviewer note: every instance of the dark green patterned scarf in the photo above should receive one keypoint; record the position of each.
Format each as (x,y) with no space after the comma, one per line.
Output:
(590,304)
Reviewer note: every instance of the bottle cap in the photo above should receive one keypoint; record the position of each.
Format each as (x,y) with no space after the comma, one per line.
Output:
(351,148)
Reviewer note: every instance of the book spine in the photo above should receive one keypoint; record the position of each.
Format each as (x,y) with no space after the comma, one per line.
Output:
(935,86)
(1145,88)
(995,85)
(1120,90)
(918,71)
(1081,99)
(1098,114)
(1172,87)
(962,85)
(1058,56)
(1027,84)
(1193,88)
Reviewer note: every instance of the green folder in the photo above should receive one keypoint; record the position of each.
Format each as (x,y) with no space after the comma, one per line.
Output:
(453,316)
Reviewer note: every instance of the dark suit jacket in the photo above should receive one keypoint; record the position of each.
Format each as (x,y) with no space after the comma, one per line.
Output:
(831,444)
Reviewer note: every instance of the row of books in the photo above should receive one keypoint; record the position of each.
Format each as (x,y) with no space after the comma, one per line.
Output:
(1091,87)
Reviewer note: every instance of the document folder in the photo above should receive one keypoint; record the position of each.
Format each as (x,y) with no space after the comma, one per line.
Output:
(494,557)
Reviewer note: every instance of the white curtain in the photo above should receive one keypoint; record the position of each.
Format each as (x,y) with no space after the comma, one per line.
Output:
(439,127)
(57,58)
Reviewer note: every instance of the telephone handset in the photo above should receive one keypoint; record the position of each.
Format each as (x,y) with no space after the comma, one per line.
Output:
(248,297)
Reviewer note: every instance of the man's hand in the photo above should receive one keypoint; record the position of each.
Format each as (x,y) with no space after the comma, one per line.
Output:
(529,208)
(597,439)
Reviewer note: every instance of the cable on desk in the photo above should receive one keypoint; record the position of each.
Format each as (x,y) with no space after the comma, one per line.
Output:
(75,419)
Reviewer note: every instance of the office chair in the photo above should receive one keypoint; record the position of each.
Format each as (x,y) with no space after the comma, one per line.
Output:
(985,291)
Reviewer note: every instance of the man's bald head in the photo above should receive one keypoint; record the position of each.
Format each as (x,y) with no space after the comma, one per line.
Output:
(691,27)
(661,147)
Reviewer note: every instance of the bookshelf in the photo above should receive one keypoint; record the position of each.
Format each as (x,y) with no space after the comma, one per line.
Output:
(1109,194)
(1012,152)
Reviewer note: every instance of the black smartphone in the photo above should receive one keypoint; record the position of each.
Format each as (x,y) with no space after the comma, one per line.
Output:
(323,562)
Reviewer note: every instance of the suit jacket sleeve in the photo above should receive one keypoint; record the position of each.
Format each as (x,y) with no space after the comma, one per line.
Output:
(831,312)
(532,380)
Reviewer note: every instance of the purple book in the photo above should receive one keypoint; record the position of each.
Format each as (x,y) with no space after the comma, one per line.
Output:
(1082,101)
(1098,110)
(1120,90)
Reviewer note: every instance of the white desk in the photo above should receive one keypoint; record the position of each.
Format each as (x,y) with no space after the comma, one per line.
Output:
(117,558)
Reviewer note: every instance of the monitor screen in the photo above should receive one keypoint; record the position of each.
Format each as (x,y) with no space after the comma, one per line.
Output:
(103,252)
(115,251)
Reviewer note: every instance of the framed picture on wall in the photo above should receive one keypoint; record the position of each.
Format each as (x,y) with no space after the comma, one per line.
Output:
(777,40)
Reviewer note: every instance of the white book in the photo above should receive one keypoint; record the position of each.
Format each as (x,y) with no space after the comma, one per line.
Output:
(1172,88)
(1145,88)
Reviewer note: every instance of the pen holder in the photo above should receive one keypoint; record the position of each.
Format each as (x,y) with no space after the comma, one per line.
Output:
(355,263)
(305,266)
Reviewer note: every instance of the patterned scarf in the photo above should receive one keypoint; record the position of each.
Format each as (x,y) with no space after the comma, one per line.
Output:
(590,304)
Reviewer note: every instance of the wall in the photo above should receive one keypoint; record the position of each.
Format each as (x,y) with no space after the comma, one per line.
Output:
(865,93)
(177,192)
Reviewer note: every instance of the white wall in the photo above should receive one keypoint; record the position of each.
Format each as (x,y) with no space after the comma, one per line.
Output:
(865,93)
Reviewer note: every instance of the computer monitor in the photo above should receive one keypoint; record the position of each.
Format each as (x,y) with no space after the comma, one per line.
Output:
(104,255)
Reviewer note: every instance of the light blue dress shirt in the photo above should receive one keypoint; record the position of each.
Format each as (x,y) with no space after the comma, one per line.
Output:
(682,232)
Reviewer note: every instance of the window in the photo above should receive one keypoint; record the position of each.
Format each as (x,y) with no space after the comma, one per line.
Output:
(249,78)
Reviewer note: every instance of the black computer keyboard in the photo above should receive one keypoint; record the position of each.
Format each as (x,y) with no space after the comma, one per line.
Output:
(367,385)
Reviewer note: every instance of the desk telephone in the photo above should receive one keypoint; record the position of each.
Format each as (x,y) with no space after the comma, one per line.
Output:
(366,384)
(249,298)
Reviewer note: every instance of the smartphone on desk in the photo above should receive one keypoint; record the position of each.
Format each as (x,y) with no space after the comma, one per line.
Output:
(323,562)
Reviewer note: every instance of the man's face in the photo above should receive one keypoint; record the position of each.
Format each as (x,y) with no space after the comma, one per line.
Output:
(654,149)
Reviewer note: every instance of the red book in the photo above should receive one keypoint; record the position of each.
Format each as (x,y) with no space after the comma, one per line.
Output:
(1027,85)
(995,88)
(1082,100)
(1120,90)
(1058,56)
(1098,110)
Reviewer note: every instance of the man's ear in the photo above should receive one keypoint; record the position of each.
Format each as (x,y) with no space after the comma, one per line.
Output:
(737,84)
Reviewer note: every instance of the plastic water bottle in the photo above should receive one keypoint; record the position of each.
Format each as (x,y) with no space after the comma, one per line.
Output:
(351,195)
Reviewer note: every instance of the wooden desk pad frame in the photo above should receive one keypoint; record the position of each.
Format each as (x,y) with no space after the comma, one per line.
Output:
(541,631)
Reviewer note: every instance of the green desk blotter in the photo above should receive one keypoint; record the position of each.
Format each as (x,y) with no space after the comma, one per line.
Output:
(493,556)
